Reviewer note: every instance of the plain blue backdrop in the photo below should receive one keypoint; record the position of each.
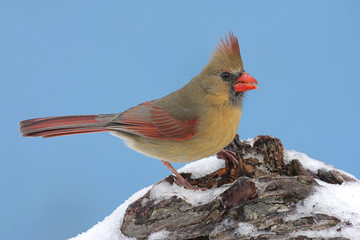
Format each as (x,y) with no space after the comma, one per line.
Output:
(85,57)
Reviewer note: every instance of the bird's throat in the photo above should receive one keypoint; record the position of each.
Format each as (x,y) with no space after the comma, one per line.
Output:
(235,98)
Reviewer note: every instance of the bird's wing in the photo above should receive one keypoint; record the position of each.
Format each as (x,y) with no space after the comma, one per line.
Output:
(153,122)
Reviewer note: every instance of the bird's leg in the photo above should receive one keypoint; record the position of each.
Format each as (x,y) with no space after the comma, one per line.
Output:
(180,180)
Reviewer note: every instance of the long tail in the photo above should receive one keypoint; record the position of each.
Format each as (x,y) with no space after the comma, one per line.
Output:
(65,125)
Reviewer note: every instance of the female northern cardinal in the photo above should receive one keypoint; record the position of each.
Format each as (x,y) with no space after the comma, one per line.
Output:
(191,123)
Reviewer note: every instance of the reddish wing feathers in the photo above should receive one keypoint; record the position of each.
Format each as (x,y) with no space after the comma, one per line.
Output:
(153,122)
(144,120)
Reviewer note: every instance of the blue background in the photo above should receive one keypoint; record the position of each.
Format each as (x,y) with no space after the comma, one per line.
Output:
(84,57)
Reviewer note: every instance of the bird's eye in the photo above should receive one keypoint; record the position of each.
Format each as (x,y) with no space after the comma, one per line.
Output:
(225,76)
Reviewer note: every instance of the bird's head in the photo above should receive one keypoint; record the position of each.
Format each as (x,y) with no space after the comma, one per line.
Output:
(224,76)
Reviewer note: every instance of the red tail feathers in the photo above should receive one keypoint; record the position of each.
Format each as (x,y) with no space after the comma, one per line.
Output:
(65,125)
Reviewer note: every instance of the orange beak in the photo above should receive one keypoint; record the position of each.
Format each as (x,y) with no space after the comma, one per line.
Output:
(245,82)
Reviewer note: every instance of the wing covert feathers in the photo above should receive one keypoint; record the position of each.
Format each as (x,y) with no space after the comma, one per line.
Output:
(153,122)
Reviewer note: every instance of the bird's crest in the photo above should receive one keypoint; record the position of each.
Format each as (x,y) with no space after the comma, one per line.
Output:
(227,52)
(229,46)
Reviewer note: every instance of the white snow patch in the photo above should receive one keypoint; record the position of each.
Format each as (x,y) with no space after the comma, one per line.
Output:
(226,222)
(249,141)
(309,163)
(259,157)
(341,201)
(245,228)
(109,228)
(159,235)
(165,190)
(203,167)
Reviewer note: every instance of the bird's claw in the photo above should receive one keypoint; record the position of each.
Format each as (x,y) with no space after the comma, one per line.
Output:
(187,185)
(228,156)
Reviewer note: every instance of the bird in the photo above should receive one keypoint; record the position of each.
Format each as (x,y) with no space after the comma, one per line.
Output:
(191,123)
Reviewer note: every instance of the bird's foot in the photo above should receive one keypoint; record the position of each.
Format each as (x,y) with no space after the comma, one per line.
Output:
(228,156)
(181,181)
(184,183)
(234,163)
